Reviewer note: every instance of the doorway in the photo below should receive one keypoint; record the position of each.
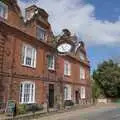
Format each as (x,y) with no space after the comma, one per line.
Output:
(51,95)
(77,97)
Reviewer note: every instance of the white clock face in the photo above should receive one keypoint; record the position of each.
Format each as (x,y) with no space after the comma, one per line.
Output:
(64,48)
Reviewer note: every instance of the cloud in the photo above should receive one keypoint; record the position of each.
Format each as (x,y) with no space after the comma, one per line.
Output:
(80,19)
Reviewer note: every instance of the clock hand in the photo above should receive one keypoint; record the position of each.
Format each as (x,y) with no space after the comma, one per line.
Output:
(63,48)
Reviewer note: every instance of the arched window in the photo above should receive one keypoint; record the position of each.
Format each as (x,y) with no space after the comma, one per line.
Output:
(27,92)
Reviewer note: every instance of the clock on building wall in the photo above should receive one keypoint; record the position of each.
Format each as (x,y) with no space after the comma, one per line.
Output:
(64,48)
(67,43)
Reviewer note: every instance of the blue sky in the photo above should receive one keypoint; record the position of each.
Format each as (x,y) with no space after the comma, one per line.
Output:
(104,10)
(96,22)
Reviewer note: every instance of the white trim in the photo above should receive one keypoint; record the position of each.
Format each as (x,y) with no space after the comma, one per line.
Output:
(38,33)
(82,73)
(23,92)
(83,92)
(53,63)
(67,68)
(33,54)
(67,92)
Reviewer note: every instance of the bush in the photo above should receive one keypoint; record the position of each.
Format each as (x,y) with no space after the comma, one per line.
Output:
(34,107)
(21,109)
(68,103)
(24,108)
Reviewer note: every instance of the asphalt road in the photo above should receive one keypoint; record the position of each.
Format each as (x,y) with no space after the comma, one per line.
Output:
(99,112)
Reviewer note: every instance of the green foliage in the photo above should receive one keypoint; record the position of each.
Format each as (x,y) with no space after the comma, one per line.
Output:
(24,108)
(34,107)
(68,103)
(21,109)
(107,77)
(95,91)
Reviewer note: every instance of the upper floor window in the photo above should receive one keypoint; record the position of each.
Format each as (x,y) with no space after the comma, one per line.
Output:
(82,93)
(41,32)
(67,68)
(82,56)
(51,62)
(82,72)
(29,56)
(27,92)
(3,10)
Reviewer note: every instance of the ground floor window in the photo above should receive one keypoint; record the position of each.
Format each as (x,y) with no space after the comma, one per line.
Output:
(27,92)
(82,92)
(67,92)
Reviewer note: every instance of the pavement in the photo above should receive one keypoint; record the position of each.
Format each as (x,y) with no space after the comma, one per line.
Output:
(98,112)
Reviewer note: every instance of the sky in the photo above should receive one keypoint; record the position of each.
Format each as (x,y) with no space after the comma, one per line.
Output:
(96,22)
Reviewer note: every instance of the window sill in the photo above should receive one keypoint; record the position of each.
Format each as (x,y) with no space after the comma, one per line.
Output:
(82,79)
(28,103)
(51,69)
(27,66)
(67,75)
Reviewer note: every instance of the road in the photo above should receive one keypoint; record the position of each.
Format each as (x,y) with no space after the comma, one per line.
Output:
(99,112)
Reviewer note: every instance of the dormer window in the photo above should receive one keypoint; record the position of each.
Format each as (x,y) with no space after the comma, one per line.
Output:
(41,33)
(3,10)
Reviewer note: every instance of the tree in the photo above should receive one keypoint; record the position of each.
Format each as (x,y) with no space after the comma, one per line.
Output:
(107,77)
(96,91)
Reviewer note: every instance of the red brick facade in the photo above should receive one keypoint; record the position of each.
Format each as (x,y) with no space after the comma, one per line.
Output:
(14,32)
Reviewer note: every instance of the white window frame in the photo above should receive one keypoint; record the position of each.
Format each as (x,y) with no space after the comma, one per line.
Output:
(51,67)
(67,68)
(83,92)
(43,36)
(67,92)
(5,8)
(33,58)
(31,95)
(82,73)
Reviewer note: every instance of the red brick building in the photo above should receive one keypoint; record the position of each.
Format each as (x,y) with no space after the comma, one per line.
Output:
(31,71)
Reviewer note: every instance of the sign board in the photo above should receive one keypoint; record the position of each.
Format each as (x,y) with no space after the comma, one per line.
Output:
(10,109)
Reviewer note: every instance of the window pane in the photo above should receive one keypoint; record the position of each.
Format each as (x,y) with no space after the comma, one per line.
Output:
(3,10)
(27,93)
(28,56)
(50,62)
(82,92)
(82,72)
(29,52)
(21,87)
(32,90)
(40,33)
(67,68)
